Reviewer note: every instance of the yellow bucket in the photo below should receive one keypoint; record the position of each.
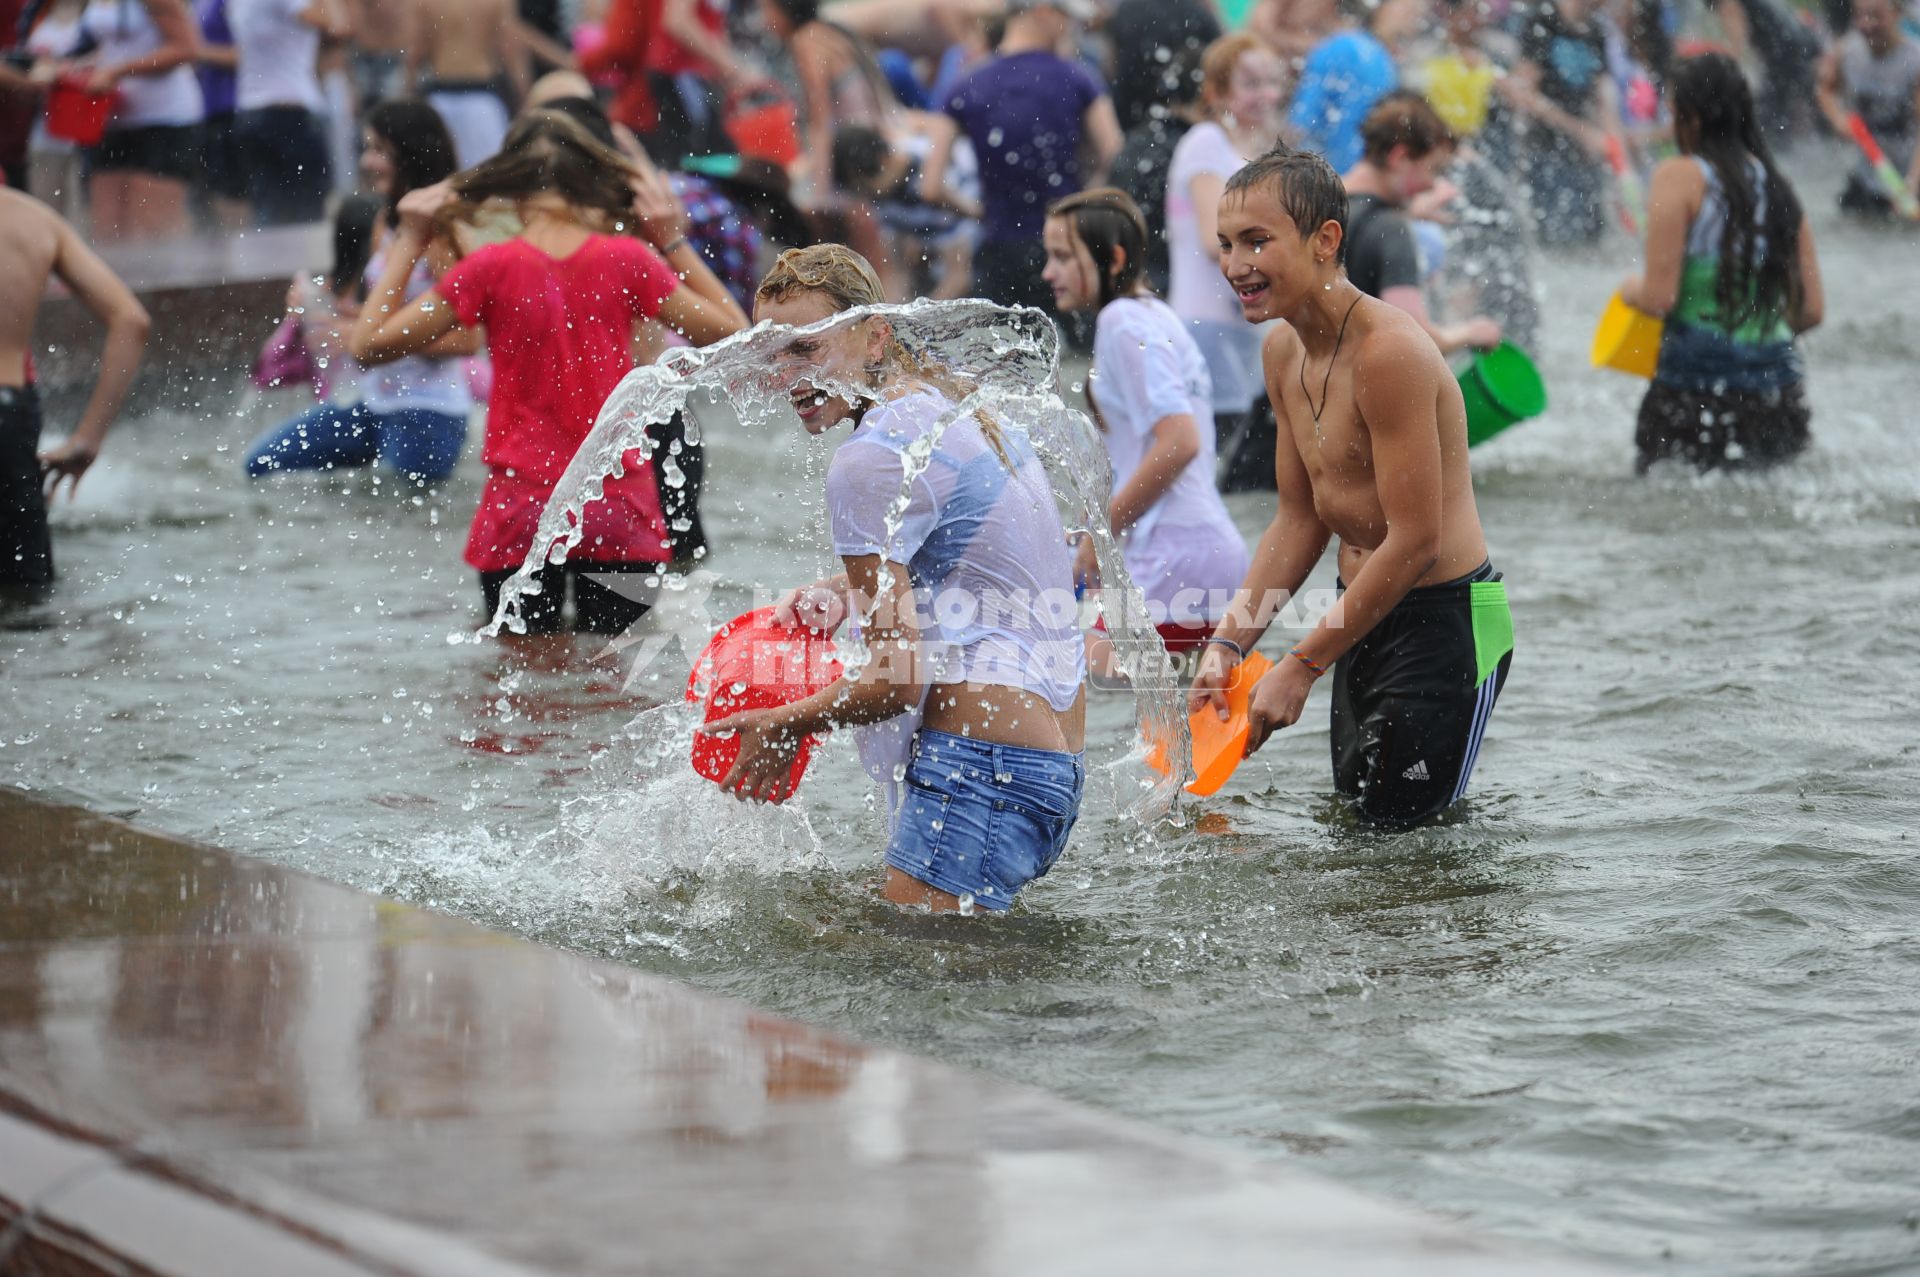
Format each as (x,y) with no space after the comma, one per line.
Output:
(1627,340)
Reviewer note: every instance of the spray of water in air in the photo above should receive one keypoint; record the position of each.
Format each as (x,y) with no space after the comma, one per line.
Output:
(1005,361)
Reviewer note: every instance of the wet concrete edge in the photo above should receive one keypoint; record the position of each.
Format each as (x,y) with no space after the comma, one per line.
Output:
(140,1200)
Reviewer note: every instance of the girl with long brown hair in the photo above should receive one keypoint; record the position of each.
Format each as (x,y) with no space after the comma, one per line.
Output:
(559,302)
(1153,399)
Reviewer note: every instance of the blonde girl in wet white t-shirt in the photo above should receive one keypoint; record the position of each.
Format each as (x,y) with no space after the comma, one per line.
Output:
(958,565)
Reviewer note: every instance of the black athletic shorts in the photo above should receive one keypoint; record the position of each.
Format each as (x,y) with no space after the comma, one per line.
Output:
(597,609)
(26,546)
(1412,699)
(161,150)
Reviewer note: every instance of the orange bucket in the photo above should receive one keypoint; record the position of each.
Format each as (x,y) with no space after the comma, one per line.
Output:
(74,114)
(1217,746)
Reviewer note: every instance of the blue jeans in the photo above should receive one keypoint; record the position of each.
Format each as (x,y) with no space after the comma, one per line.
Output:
(984,820)
(421,445)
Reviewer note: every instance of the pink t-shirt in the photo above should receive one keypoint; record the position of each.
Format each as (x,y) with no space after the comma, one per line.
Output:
(560,332)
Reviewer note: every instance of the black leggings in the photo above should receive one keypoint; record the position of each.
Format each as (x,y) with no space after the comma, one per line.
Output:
(597,608)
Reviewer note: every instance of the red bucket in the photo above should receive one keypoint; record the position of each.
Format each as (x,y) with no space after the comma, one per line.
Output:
(766,127)
(77,115)
(755,663)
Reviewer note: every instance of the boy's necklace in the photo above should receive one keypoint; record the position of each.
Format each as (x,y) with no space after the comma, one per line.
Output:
(1328,379)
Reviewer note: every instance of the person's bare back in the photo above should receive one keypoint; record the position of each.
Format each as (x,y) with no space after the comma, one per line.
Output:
(381,26)
(29,248)
(461,41)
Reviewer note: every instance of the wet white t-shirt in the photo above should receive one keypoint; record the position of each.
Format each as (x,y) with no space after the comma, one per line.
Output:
(984,550)
(982,542)
(1185,553)
(418,381)
(278,54)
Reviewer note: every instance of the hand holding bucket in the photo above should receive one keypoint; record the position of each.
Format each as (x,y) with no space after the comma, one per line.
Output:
(1627,340)
(753,663)
(1218,746)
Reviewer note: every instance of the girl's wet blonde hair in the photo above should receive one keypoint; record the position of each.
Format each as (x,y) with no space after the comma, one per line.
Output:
(848,280)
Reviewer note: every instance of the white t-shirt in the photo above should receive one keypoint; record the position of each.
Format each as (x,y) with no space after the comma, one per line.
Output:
(983,544)
(1185,553)
(1195,287)
(435,385)
(278,55)
(123,32)
(986,555)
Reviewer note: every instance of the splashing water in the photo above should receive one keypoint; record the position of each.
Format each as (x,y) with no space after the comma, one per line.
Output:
(1490,263)
(1008,359)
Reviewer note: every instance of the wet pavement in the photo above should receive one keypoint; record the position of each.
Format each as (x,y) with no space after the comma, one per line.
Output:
(209,1064)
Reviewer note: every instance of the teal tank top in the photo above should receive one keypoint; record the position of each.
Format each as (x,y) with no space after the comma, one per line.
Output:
(1698,303)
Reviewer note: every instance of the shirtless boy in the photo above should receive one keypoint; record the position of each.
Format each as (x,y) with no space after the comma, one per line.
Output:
(463,47)
(35,244)
(1373,448)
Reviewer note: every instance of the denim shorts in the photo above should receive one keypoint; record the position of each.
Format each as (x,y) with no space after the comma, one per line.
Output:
(983,820)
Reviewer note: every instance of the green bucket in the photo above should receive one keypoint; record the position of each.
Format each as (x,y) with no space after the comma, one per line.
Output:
(1501,386)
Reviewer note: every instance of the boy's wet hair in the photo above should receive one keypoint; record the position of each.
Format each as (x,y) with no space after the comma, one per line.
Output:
(859,155)
(1404,118)
(1305,185)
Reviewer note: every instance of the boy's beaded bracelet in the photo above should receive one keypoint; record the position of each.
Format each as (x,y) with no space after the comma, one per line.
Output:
(1238,651)
(1308,661)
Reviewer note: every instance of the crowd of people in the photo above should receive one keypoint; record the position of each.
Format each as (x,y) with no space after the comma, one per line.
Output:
(1237,207)
(894,124)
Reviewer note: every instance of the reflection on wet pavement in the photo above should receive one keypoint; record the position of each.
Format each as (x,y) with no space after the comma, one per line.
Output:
(211,1064)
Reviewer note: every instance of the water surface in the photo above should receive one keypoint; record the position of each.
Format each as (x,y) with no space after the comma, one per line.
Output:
(1653,997)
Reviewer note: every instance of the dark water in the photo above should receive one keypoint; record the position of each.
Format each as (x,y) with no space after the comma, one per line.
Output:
(1655,996)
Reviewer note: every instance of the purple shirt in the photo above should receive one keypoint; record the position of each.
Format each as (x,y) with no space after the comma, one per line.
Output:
(218,86)
(1023,115)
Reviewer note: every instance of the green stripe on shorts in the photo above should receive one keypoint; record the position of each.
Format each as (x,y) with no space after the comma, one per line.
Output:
(1492,627)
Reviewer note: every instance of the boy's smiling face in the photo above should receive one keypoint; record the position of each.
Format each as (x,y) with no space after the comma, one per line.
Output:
(1270,266)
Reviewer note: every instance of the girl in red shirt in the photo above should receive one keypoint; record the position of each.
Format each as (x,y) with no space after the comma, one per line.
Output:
(559,303)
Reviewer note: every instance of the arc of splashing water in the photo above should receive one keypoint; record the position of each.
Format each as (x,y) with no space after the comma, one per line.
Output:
(1012,357)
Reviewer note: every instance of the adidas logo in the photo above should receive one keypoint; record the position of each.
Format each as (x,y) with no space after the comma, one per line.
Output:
(1417,772)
